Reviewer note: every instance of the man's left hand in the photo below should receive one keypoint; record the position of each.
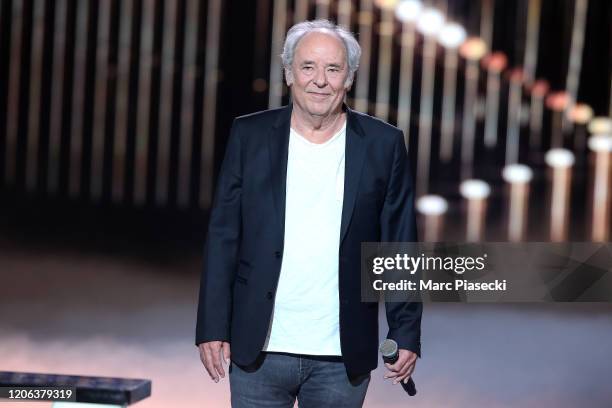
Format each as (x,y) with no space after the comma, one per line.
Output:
(403,368)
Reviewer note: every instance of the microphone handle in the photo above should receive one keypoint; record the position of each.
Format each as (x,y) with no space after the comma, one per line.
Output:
(409,387)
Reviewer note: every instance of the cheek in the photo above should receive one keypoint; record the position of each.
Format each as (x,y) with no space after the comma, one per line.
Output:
(338,84)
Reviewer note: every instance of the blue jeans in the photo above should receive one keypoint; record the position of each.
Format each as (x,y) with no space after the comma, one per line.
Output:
(275,380)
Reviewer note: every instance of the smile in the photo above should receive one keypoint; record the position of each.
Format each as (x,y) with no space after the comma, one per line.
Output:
(319,95)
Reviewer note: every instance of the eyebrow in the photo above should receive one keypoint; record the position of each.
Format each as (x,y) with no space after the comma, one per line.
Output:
(313,63)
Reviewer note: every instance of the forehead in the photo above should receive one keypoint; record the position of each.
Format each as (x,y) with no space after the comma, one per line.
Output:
(321,45)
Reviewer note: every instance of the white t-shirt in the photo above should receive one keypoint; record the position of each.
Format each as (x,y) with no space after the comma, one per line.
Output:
(306,316)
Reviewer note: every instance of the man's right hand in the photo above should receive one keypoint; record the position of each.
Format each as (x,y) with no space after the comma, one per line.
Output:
(210,354)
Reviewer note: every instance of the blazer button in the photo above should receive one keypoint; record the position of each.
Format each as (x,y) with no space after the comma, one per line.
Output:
(269,295)
(277,254)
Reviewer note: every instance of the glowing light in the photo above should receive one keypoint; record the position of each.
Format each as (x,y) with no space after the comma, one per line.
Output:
(517,173)
(558,101)
(474,48)
(431,205)
(559,157)
(581,113)
(408,11)
(600,124)
(386,4)
(601,143)
(452,35)
(430,21)
(474,189)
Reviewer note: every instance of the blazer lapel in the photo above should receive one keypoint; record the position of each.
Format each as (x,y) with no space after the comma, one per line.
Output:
(278,143)
(354,156)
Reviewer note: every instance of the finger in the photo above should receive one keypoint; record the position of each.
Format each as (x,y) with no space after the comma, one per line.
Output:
(227,355)
(208,364)
(400,376)
(393,367)
(216,359)
(404,378)
(408,373)
(401,371)
(391,374)
(202,354)
(401,361)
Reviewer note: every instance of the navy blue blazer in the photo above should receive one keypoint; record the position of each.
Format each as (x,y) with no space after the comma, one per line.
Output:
(244,245)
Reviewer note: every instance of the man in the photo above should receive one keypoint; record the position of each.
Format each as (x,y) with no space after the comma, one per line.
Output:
(299,190)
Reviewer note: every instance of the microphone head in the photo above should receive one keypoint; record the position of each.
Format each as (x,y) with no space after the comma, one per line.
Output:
(388,348)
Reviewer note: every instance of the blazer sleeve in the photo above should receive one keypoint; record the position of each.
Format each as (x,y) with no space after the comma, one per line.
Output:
(221,248)
(398,224)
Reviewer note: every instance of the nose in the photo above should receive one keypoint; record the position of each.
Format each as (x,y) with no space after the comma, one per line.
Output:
(320,78)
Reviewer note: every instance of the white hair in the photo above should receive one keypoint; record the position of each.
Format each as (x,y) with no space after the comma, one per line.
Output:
(299,30)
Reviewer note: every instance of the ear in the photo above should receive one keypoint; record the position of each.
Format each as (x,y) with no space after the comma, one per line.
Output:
(288,77)
(348,84)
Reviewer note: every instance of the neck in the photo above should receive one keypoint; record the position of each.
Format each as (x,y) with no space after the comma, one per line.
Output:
(316,129)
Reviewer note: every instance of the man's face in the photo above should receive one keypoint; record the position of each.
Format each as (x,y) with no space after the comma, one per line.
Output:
(318,74)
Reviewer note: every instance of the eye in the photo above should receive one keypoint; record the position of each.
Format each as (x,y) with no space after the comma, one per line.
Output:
(334,69)
(307,68)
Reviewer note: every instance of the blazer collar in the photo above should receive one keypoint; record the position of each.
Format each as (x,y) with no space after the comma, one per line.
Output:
(354,155)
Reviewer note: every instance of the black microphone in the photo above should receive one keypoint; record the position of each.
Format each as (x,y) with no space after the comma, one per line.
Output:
(388,349)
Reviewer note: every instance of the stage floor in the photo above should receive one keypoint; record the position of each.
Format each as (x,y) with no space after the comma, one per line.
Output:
(95,313)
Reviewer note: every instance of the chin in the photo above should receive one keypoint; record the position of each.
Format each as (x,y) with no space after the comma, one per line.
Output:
(318,110)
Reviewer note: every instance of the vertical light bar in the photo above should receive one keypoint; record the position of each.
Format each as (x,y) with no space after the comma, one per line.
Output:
(518,177)
(322,10)
(580,114)
(407,12)
(494,64)
(531,40)
(123,66)
(213,29)
(539,89)
(13,93)
(97,143)
(365,41)
(35,88)
(472,50)
(144,91)
(575,58)
(486,22)
(279,22)
(610,101)
(429,24)
(384,63)
(432,207)
(601,146)
(475,192)
(78,99)
(189,69)
(165,108)
(513,127)
(557,102)
(260,83)
(345,9)
(404,104)
(561,162)
(301,11)
(57,84)
(451,37)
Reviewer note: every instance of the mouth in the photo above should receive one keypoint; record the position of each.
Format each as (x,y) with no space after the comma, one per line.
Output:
(319,95)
